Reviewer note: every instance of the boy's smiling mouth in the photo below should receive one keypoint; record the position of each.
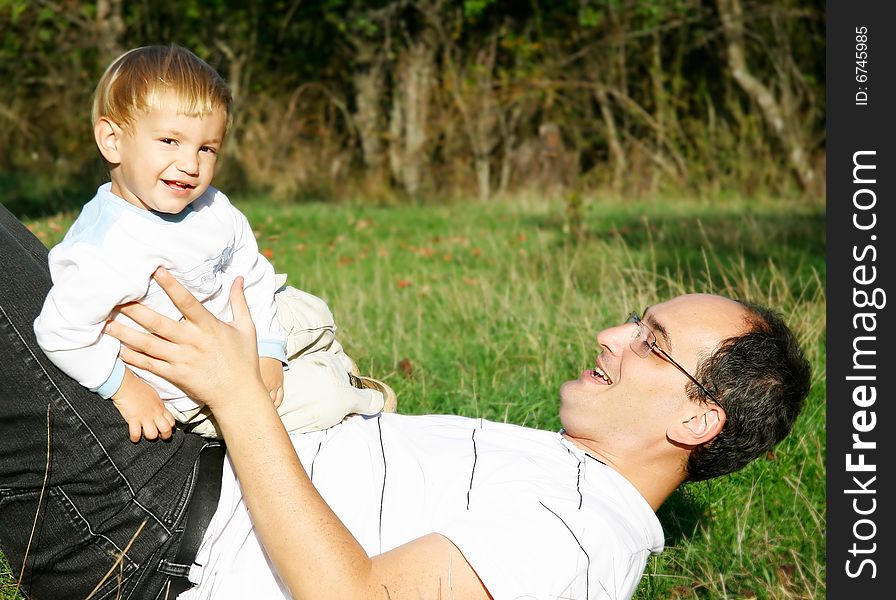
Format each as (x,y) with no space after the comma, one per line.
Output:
(178,185)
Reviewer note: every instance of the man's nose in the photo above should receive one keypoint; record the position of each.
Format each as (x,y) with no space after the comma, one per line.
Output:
(616,339)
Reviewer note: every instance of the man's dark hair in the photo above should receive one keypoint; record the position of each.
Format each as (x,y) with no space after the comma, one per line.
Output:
(760,379)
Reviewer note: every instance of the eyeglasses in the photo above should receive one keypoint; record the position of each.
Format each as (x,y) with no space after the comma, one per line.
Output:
(644,342)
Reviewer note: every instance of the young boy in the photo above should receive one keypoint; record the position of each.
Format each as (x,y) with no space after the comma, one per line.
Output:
(160,115)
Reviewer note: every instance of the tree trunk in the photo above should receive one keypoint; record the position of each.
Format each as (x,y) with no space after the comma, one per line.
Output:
(731,15)
(663,113)
(109,28)
(410,110)
(396,129)
(368,116)
(484,128)
(617,154)
(483,177)
(508,124)
(471,81)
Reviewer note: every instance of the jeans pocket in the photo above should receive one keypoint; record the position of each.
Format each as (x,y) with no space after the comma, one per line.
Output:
(65,558)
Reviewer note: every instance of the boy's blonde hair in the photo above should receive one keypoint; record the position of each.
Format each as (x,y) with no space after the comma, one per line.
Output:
(137,80)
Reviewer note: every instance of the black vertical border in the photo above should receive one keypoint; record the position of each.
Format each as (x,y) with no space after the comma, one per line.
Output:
(853,127)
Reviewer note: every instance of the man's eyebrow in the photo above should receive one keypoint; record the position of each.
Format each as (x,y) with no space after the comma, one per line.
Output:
(657,328)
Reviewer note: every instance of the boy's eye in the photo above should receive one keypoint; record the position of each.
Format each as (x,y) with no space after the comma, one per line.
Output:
(209,149)
(167,140)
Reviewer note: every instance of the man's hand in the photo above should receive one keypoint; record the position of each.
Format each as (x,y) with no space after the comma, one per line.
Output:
(142,408)
(272,375)
(215,363)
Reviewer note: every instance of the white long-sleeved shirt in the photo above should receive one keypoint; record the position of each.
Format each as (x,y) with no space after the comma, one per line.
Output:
(107,258)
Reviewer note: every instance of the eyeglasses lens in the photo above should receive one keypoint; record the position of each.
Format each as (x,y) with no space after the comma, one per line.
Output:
(642,338)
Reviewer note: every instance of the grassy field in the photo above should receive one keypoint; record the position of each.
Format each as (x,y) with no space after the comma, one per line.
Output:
(485,309)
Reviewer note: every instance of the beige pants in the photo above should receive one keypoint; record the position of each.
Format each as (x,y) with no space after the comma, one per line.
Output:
(321,384)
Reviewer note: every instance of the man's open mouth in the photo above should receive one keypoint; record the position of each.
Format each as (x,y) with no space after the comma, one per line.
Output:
(598,372)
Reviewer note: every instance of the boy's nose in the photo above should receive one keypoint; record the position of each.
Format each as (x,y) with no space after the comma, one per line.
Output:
(188,163)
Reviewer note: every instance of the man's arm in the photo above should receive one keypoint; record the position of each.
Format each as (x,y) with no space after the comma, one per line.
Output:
(314,554)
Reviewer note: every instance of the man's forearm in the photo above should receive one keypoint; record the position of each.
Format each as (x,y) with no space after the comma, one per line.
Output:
(314,553)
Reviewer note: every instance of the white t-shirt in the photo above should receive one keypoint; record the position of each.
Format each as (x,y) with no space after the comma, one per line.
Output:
(534,515)
(108,257)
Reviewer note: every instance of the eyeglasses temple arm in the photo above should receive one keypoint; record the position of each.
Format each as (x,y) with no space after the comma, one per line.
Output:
(682,369)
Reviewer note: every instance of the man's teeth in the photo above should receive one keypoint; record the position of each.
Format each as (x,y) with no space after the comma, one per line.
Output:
(599,373)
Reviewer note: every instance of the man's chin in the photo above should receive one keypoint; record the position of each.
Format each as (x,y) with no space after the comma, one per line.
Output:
(570,391)
(570,386)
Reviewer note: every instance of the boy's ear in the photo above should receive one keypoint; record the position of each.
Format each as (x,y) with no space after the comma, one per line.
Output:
(705,423)
(108,136)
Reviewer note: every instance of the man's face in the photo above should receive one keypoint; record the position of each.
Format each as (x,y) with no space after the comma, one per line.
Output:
(631,405)
(167,159)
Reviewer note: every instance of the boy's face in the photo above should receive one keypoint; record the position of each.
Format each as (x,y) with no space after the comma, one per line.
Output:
(164,160)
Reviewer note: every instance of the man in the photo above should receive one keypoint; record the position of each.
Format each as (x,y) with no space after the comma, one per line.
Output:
(440,506)
(446,506)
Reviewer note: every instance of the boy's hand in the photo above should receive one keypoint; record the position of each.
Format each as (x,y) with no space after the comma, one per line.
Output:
(142,408)
(272,375)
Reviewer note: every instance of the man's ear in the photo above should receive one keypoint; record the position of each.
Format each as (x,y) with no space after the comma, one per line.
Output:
(705,424)
(108,136)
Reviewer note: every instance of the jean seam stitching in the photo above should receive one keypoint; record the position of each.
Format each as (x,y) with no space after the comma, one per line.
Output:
(64,398)
(87,523)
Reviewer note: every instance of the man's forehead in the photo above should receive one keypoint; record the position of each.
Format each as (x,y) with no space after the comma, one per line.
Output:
(707,319)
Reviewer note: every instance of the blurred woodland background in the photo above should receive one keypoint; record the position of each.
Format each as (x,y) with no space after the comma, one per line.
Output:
(386,101)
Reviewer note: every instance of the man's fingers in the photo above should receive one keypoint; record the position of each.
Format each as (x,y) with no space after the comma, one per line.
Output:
(240,307)
(149,319)
(142,361)
(185,302)
(139,346)
(146,343)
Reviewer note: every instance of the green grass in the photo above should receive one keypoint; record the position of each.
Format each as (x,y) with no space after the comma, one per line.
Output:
(485,309)
(7,580)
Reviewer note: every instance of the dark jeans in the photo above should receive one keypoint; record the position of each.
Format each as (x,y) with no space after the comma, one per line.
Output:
(101,488)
